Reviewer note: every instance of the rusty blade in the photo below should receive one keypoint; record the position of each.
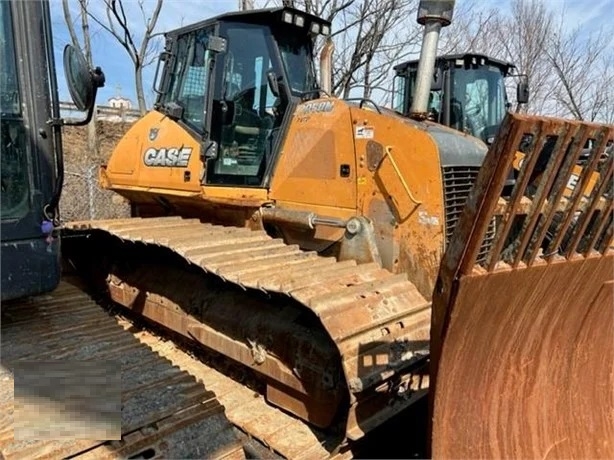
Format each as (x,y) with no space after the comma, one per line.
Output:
(527,367)
(522,357)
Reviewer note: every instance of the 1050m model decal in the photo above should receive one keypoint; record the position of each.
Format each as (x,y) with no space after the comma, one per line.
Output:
(169,157)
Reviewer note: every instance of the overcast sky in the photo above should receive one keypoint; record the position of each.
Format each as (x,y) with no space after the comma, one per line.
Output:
(113,59)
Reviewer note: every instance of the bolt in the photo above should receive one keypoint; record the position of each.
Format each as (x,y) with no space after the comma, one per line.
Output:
(353,226)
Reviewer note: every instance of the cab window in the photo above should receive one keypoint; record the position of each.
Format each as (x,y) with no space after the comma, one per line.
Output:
(246,114)
(14,172)
(189,78)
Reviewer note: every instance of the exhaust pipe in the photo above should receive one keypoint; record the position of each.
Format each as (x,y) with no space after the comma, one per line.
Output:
(326,73)
(433,15)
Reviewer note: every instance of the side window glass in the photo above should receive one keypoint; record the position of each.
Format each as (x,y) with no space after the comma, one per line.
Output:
(399,93)
(14,171)
(190,77)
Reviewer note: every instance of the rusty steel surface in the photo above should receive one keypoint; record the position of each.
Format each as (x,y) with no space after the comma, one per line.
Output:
(370,324)
(165,412)
(522,347)
(282,433)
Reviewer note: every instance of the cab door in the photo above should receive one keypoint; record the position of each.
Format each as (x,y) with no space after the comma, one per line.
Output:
(28,177)
(246,114)
(176,132)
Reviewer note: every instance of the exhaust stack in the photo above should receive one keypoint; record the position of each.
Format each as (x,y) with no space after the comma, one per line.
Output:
(326,74)
(433,15)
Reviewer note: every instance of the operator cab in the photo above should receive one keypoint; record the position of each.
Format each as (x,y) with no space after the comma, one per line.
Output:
(233,80)
(467,92)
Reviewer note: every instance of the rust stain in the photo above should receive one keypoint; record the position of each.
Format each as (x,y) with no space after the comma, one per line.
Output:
(523,368)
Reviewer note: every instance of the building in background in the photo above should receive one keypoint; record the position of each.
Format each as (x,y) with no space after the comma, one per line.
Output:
(120,102)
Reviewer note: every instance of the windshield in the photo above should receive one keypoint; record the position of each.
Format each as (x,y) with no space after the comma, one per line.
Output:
(478,102)
(14,164)
(298,62)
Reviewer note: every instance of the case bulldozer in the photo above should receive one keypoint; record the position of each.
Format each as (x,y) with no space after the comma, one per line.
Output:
(296,236)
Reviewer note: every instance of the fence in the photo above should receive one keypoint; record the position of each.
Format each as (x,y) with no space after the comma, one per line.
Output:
(103,112)
(83,199)
(82,196)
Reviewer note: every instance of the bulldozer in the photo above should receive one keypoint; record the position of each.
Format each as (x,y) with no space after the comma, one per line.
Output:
(299,237)
(467,93)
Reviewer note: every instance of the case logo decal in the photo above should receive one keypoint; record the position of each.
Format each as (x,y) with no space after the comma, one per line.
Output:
(168,157)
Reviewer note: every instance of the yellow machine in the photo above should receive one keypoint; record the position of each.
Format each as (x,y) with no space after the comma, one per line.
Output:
(298,235)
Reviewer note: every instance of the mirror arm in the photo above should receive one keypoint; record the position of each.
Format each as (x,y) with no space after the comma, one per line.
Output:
(98,80)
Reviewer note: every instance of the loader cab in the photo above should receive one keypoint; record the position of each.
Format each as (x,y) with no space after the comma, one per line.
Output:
(30,145)
(233,82)
(468,92)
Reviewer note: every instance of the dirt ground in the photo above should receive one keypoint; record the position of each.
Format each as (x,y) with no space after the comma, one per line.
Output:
(74,140)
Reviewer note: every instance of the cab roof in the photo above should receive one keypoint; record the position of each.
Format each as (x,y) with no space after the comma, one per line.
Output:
(505,66)
(263,16)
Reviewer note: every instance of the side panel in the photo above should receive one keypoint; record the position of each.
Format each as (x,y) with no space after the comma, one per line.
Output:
(522,343)
(156,153)
(400,189)
(317,164)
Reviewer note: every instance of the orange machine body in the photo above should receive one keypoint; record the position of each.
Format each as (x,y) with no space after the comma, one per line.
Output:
(337,161)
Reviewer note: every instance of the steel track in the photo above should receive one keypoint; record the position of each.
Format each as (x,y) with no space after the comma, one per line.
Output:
(377,321)
(165,411)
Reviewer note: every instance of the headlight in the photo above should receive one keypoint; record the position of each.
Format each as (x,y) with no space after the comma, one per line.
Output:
(299,20)
(325,30)
(315,28)
(287,17)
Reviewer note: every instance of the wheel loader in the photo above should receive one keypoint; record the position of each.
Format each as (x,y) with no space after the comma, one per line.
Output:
(296,236)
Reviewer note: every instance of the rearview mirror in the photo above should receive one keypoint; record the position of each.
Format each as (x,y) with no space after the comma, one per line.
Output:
(522,90)
(273,83)
(83,82)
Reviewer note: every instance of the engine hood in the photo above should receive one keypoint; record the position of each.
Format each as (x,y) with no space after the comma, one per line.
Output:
(455,148)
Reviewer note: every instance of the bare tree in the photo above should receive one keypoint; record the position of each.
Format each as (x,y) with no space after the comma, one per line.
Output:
(524,36)
(245,5)
(473,29)
(585,72)
(119,25)
(92,136)
(370,37)
(519,36)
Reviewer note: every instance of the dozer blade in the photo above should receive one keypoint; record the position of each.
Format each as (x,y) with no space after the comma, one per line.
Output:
(523,342)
